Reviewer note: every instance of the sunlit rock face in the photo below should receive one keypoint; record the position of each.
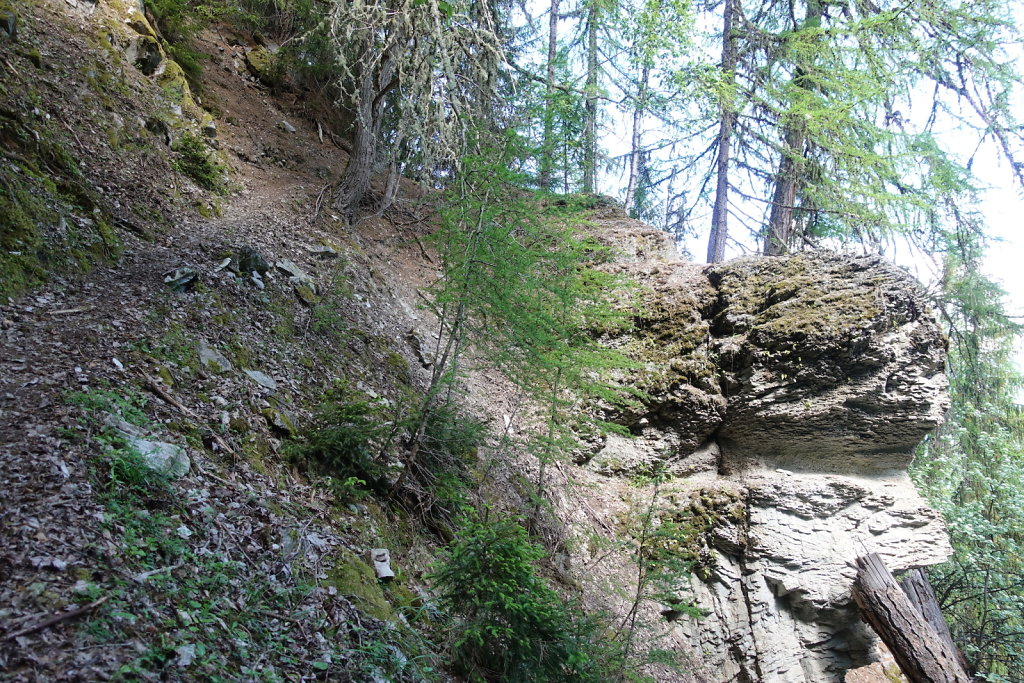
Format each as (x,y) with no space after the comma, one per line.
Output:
(797,387)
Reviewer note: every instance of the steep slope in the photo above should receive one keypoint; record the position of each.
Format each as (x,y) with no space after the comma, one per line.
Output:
(784,397)
(140,335)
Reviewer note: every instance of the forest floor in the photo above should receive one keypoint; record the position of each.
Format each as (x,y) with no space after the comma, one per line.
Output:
(246,567)
(83,583)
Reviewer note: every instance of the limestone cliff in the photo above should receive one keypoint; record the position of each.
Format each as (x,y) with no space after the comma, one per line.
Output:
(787,394)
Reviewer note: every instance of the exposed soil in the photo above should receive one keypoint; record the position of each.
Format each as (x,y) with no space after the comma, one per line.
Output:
(120,330)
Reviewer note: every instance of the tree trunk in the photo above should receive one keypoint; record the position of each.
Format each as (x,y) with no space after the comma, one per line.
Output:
(590,125)
(547,152)
(780,224)
(635,146)
(720,214)
(919,591)
(920,652)
(374,87)
(779,233)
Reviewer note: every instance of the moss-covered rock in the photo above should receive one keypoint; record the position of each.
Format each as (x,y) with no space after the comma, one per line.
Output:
(260,63)
(355,580)
(50,217)
(814,356)
(175,86)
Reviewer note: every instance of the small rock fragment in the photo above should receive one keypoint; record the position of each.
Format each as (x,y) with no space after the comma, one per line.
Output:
(163,458)
(381,559)
(263,379)
(181,279)
(212,359)
(288,267)
(252,261)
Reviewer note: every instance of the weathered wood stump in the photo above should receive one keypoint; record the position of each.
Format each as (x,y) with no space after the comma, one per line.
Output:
(919,591)
(923,655)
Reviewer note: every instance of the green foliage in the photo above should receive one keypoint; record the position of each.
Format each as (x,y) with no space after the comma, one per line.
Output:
(327,315)
(173,592)
(451,442)
(196,160)
(127,479)
(972,470)
(510,625)
(350,436)
(523,288)
(178,23)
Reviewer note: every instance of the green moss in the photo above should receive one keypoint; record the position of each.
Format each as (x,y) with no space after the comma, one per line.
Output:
(398,366)
(164,374)
(46,227)
(260,63)
(33,56)
(684,535)
(792,299)
(239,353)
(669,342)
(176,88)
(280,421)
(255,447)
(356,580)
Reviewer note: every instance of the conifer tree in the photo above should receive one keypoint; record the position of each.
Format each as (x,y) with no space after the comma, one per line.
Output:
(972,470)
(414,74)
(827,114)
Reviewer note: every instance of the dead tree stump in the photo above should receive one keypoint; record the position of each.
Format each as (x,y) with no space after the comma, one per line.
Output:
(921,653)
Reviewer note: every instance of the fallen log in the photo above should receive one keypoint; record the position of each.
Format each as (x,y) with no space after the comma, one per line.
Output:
(921,653)
(917,588)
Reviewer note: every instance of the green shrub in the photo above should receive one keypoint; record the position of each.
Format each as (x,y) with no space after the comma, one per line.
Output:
(347,442)
(510,625)
(196,161)
(451,440)
(179,22)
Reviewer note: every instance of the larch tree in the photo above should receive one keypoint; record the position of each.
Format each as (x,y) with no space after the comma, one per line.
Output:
(827,112)
(727,120)
(416,75)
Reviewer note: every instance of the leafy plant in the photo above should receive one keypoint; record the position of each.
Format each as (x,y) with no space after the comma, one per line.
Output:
(510,625)
(348,441)
(522,289)
(196,161)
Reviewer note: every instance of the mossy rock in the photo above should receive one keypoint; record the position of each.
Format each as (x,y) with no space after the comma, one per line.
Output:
(280,421)
(260,63)
(781,301)
(49,220)
(306,294)
(8,21)
(356,580)
(175,85)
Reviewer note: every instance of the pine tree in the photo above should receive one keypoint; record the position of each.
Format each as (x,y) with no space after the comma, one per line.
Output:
(820,120)
(972,470)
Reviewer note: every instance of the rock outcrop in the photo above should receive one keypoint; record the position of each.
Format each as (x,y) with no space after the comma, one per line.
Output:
(792,391)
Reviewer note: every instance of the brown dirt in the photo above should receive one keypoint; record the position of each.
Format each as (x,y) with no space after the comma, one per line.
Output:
(114,328)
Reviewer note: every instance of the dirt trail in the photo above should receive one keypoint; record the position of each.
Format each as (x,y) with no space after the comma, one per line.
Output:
(100,330)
